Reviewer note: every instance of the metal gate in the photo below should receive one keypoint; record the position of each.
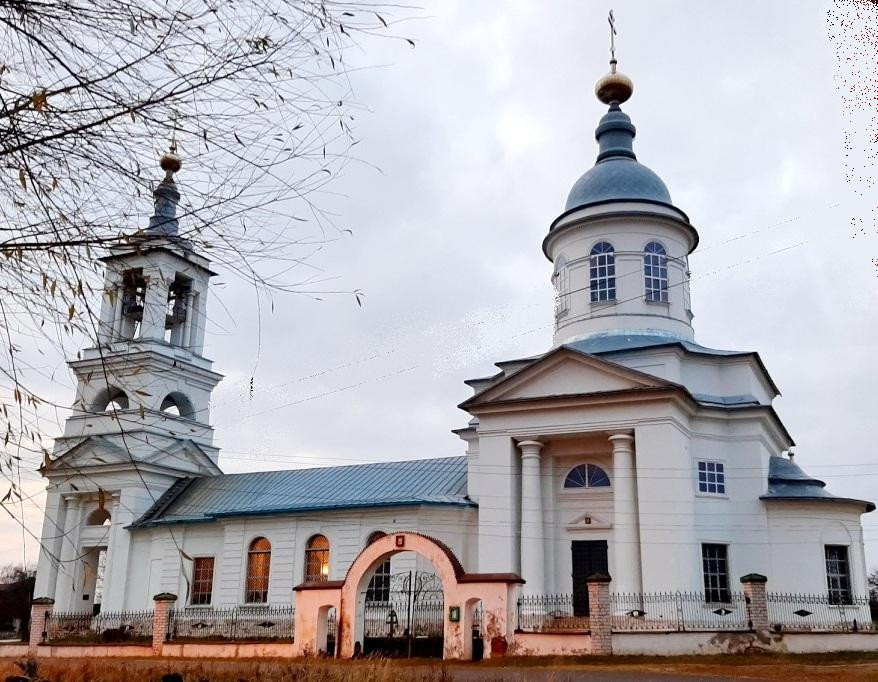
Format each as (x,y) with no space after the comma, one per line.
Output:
(405,616)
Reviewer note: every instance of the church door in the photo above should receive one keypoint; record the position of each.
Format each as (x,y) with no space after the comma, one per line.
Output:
(589,556)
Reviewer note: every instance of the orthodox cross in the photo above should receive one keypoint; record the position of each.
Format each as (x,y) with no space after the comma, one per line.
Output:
(612,21)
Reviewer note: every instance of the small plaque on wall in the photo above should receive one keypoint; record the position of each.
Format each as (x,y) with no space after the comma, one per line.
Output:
(400,540)
(454,614)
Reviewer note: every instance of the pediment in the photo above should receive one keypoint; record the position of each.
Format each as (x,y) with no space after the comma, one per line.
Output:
(97,451)
(588,521)
(89,452)
(567,372)
(183,455)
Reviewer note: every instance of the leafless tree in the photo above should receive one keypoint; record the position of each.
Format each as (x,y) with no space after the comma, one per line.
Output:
(253,93)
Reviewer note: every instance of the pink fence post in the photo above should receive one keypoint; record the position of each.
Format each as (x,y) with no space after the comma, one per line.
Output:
(600,614)
(163,604)
(753,585)
(40,609)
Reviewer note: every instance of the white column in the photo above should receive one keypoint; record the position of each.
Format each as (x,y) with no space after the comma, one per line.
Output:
(627,574)
(531,518)
(68,569)
(155,306)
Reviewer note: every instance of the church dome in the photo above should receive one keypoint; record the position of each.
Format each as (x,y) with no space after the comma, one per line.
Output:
(617,175)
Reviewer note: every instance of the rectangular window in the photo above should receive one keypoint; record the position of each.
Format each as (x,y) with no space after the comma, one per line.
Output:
(715,566)
(838,576)
(711,478)
(202,580)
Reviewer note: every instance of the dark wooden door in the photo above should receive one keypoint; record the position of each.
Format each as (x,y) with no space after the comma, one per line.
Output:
(589,556)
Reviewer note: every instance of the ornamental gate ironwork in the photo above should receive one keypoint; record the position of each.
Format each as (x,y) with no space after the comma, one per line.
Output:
(404,615)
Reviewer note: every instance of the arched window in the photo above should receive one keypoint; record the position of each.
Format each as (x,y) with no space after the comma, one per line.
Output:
(317,559)
(560,281)
(587,476)
(655,272)
(98,517)
(178,405)
(602,274)
(258,567)
(379,584)
(110,399)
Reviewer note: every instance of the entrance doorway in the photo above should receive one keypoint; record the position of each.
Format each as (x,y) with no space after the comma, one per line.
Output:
(404,616)
(589,556)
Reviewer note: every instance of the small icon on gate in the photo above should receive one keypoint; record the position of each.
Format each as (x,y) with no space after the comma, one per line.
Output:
(454,614)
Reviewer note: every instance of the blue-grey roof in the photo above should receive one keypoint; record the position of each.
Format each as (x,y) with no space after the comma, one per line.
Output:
(787,481)
(413,482)
(617,175)
(612,342)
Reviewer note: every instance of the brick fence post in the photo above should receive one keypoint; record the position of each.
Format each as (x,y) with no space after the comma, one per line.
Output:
(40,608)
(600,614)
(163,604)
(757,605)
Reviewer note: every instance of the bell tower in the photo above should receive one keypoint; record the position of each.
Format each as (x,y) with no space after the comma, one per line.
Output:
(140,420)
(146,385)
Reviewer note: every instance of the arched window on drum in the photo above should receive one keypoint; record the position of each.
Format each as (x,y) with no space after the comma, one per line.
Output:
(602,272)
(655,273)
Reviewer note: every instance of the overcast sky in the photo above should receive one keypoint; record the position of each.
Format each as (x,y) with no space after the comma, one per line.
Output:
(473,140)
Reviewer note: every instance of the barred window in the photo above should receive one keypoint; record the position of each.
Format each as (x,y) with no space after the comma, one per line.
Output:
(587,476)
(655,272)
(258,568)
(838,576)
(711,477)
(379,584)
(202,580)
(715,566)
(602,273)
(317,560)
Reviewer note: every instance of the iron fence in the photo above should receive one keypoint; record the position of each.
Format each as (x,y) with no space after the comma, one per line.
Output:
(239,623)
(550,612)
(678,612)
(815,612)
(131,627)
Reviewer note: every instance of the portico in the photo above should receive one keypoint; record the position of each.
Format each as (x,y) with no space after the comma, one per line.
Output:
(619,530)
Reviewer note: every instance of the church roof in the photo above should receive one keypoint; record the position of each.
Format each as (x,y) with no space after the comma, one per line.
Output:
(617,175)
(439,481)
(787,481)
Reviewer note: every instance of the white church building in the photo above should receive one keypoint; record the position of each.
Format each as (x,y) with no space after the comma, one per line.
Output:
(626,448)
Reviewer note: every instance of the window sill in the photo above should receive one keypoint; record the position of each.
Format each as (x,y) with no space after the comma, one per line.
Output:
(716,496)
(663,304)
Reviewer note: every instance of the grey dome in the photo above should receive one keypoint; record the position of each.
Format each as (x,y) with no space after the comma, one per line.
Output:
(617,175)
(617,178)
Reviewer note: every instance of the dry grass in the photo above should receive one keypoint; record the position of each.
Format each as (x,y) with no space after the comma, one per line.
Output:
(215,670)
(829,667)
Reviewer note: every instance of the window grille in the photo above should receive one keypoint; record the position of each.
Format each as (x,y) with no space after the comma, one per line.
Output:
(838,577)
(258,568)
(602,272)
(317,560)
(715,566)
(202,580)
(711,478)
(655,272)
(587,476)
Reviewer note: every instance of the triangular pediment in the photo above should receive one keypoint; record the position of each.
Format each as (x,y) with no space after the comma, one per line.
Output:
(183,455)
(99,452)
(89,452)
(566,372)
(588,521)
